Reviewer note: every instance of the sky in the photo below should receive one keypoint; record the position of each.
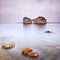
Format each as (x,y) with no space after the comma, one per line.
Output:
(15,10)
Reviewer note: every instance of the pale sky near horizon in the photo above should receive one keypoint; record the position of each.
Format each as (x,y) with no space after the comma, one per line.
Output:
(15,10)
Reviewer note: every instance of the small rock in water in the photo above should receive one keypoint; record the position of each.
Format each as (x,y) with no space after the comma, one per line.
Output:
(8,45)
(29,52)
(48,31)
(26,50)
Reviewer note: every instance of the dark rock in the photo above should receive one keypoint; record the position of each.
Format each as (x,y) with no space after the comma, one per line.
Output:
(27,20)
(40,20)
(33,54)
(48,31)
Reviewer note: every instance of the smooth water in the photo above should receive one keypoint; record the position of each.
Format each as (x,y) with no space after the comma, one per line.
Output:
(32,36)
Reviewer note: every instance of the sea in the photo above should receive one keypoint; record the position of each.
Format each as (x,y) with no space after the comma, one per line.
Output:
(30,36)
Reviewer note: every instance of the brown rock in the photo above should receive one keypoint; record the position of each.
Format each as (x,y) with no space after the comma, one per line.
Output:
(27,20)
(33,54)
(26,50)
(8,45)
(39,20)
(29,52)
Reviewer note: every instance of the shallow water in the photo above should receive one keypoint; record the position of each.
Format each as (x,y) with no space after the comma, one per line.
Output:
(33,36)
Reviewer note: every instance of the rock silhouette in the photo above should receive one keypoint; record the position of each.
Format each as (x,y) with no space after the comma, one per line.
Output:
(40,20)
(27,20)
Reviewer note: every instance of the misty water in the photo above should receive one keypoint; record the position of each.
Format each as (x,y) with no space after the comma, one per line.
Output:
(32,36)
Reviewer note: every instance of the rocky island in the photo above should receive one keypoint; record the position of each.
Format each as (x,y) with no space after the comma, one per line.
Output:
(40,20)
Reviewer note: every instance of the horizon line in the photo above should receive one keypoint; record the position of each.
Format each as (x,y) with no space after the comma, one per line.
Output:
(22,22)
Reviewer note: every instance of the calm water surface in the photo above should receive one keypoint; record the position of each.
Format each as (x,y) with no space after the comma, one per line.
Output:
(33,36)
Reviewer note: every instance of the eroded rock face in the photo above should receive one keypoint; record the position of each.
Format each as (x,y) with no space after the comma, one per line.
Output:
(27,20)
(40,20)
(8,45)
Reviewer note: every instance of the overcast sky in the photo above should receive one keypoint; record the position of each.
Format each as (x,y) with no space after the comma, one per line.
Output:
(15,10)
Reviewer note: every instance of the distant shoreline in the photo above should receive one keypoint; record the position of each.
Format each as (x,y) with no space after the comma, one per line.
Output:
(22,22)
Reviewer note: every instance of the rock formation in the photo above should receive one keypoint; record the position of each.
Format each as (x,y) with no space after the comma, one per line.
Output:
(27,20)
(40,20)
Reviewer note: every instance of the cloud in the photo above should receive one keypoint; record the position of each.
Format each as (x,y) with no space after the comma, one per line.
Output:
(30,8)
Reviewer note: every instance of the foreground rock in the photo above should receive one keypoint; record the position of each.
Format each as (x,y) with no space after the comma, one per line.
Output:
(33,54)
(29,52)
(27,20)
(26,50)
(8,45)
(40,20)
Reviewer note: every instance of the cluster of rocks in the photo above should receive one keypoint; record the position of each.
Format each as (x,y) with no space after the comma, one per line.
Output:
(38,20)
(25,51)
